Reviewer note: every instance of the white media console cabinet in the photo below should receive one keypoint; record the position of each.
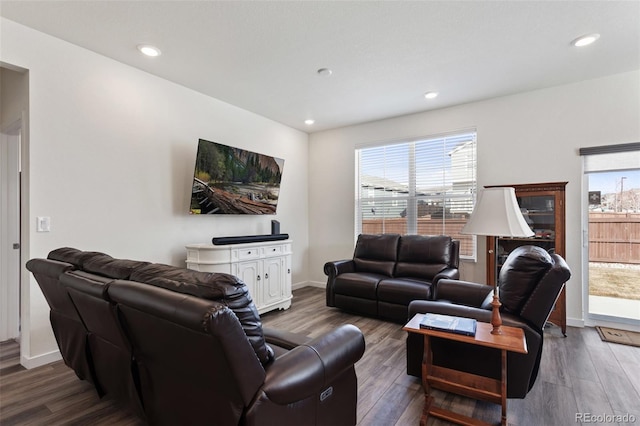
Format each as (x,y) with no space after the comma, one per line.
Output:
(264,266)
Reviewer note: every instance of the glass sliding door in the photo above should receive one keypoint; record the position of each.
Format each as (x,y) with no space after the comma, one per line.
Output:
(612,237)
(614,244)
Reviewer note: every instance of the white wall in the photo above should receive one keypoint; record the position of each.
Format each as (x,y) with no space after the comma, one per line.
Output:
(524,138)
(111,156)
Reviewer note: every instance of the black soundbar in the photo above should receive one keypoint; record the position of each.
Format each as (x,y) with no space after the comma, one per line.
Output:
(219,241)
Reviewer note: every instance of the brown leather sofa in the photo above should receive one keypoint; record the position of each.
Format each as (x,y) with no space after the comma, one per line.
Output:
(186,347)
(530,282)
(389,271)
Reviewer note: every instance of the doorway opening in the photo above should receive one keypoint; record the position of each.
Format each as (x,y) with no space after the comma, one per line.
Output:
(10,143)
(614,245)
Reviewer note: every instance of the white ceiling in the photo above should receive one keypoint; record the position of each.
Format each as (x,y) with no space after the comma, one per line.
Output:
(263,56)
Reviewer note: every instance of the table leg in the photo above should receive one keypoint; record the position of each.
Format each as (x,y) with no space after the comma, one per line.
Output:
(426,371)
(503,387)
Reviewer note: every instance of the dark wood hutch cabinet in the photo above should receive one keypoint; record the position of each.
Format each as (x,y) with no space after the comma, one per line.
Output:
(543,207)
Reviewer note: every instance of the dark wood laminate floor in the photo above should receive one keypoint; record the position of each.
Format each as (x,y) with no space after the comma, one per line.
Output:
(579,374)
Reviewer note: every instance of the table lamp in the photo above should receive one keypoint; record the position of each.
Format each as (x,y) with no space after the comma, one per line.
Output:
(497,214)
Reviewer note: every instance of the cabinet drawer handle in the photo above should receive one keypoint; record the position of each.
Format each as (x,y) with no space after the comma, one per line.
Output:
(249,252)
(273,249)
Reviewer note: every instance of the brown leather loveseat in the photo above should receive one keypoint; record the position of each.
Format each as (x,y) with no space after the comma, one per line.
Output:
(389,271)
(186,347)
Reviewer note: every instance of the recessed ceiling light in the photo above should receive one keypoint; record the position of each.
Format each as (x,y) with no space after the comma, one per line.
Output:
(324,72)
(309,122)
(149,50)
(585,40)
(431,95)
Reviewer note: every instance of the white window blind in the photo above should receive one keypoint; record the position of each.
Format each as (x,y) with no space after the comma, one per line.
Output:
(424,186)
(611,157)
(609,169)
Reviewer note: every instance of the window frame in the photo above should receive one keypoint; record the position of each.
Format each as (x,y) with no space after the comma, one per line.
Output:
(411,197)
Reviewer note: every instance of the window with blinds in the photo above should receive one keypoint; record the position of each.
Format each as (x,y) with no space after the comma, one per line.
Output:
(424,186)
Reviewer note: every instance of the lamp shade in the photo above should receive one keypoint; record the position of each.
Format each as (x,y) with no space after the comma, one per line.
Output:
(497,214)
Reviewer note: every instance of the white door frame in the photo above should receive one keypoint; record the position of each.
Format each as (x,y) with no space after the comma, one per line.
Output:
(10,169)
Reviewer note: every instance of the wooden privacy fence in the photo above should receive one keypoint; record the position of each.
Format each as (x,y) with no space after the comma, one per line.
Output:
(614,237)
(426,226)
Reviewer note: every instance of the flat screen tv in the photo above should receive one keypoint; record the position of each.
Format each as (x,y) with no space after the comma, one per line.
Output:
(230,180)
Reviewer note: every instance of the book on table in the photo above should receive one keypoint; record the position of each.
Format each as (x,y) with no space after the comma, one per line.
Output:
(440,322)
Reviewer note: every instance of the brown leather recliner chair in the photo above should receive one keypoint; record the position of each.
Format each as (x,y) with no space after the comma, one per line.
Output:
(530,282)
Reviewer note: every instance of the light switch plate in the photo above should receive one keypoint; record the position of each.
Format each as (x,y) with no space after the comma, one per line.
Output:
(43,224)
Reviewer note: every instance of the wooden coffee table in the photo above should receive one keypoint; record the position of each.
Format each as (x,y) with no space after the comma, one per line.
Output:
(462,383)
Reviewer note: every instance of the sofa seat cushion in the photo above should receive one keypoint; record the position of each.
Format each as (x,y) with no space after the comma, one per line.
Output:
(419,270)
(403,291)
(358,284)
(223,288)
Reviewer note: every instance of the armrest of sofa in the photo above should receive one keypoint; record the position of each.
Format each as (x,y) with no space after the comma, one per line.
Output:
(480,314)
(310,368)
(284,339)
(447,274)
(332,270)
(447,308)
(463,292)
(337,267)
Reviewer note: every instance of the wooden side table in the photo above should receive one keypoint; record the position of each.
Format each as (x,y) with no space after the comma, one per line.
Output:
(462,383)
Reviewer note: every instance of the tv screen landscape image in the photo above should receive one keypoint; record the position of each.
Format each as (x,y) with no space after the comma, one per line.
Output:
(230,180)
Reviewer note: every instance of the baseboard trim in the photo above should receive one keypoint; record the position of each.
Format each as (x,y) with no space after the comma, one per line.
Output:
(303,284)
(318,284)
(575,322)
(299,285)
(40,360)
(619,323)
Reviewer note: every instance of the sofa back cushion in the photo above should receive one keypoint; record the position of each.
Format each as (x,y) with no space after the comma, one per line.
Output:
(423,256)
(223,288)
(376,253)
(96,262)
(107,266)
(73,256)
(520,275)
